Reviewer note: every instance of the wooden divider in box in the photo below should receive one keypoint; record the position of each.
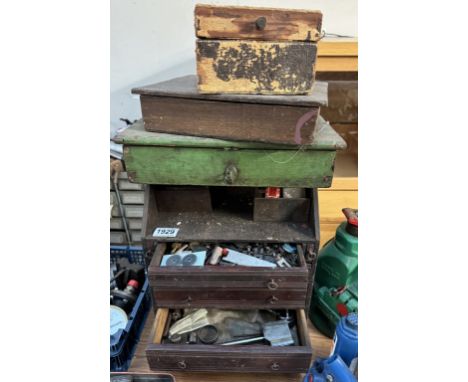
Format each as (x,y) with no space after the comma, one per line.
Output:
(177,107)
(228,359)
(225,215)
(159,158)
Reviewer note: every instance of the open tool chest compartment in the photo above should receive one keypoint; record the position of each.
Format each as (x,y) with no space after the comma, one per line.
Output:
(218,358)
(222,216)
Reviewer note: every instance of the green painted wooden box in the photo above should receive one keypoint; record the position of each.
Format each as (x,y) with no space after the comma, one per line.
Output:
(159,158)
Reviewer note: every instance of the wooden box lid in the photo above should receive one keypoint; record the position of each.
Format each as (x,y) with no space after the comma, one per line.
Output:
(186,87)
(231,22)
(324,138)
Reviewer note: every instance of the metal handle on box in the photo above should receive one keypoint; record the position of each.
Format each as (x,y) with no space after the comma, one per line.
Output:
(230,174)
(260,23)
(272,285)
(182,365)
(273,299)
(275,366)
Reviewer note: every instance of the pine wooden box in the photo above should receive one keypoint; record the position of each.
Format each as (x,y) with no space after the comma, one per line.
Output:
(177,107)
(248,50)
(227,359)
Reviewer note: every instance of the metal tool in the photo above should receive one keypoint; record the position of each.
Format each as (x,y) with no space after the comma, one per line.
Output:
(116,169)
(246,260)
(277,333)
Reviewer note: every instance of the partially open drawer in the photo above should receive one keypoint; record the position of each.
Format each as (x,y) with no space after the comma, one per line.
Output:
(218,358)
(236,287)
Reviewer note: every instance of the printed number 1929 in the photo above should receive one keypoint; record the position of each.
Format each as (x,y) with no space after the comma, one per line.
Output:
(165,232)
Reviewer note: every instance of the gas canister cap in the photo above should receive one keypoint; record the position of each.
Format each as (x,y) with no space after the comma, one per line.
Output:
(352,220)
(352,319)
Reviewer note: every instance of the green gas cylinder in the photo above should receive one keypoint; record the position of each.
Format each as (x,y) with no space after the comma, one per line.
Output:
(335,292)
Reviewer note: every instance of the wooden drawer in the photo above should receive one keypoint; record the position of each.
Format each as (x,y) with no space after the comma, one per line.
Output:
(229,22)
(226,215)
(227,359)
(238,287)
(183,160)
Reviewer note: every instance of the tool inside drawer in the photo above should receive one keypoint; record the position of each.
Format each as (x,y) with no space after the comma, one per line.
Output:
(229,340)
(262,255)
(241,214)
(229,275)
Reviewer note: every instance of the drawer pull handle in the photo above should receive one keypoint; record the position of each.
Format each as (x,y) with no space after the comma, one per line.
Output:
(182,365)
(188,300)
(273,299)
(275,366)
(230,174)
(260,23)
(272,285)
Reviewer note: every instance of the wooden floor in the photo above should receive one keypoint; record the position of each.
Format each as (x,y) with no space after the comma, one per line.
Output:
(321,347)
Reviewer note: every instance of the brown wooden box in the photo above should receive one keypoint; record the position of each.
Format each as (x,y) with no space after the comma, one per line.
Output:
(227,359)
(228,287)
(231,219)
(256,23)
(248,50)
(177,107)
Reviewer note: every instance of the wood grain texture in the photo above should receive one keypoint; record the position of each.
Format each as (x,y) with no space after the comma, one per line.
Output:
(229,22)
(227,287)
(228,120)
(321,347)
(324,138)
(342,103)
(255,67)
(282,209)
(337,55)
(186,87)
(339,47)
(232,359)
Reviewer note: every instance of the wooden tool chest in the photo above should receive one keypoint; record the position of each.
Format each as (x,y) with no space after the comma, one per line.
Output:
(256,50)
(219,215)
(193,190)
(229,218)
(177,107)
(182,160)
(218,358)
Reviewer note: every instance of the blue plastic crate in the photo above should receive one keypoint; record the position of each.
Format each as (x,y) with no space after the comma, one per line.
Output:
(123,343)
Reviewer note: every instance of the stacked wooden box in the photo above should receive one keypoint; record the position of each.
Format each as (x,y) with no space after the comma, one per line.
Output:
(207,150)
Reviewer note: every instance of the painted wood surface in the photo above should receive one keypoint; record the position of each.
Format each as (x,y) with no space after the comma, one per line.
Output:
(324,138)
(229,22)
(255,67)
(220,167)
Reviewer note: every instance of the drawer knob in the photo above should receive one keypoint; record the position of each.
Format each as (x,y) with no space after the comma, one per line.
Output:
(182,365)
(275,366)
(188,300)
(260,23)
(272,285)
(230,174)
(273,299)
